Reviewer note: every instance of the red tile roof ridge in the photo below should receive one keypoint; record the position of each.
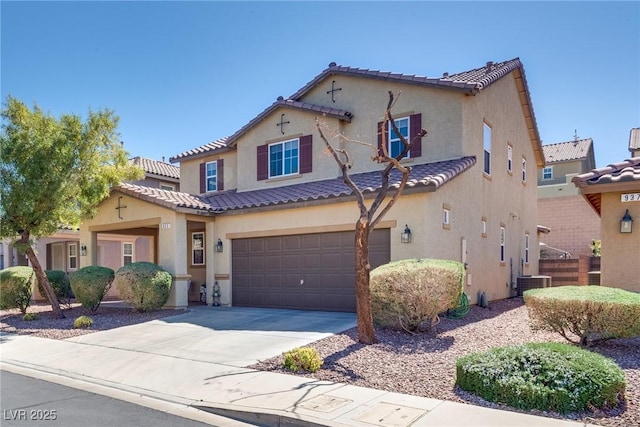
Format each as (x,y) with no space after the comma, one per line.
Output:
(626,170)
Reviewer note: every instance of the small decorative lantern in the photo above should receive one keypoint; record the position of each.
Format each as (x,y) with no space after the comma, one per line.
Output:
(626,222)
(405,237)
(83,250)
(219,246)
(216,294)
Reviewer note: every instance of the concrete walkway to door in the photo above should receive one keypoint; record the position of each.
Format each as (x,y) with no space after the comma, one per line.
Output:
(232,336)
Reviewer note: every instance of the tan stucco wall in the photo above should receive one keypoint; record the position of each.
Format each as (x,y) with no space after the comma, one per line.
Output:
(190,172)
(620,263)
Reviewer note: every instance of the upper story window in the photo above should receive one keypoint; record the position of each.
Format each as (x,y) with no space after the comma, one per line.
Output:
(212,176)
(524,170)
(169,187)
(486,138)
(509,158)
(446,216)
(547,173)
(284,158)
(127,253)
(395,143)
(503,239)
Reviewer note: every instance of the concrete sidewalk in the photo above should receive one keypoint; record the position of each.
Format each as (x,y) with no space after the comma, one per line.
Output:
(255,397)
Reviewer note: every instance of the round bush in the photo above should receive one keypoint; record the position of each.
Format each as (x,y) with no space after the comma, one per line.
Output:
(16,286)
(90,284)
(82,322)
(409,294)
(28,317)
(545,376)
(305,358)
(144,285)
(61,285)
(585,314)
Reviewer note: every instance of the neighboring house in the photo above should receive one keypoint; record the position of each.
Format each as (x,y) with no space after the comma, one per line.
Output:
(63,251)
(264,213)
(614,193)
(573,224)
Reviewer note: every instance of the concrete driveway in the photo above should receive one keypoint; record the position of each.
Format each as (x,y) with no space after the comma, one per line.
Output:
(232,336)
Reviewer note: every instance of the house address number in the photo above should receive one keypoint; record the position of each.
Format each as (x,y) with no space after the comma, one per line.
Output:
(630,197)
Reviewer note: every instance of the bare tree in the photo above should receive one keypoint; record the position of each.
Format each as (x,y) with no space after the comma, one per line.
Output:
(369,215)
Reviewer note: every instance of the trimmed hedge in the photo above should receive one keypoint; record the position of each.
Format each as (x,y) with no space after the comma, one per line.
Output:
(16,286)
(590,313)
(90,284)
(409,294)
(144,285)
(61,285)
(546,376)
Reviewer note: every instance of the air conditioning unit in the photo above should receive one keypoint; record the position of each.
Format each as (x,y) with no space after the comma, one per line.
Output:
(524,283)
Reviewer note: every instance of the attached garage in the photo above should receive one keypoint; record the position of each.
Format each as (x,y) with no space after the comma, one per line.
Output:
(306,271)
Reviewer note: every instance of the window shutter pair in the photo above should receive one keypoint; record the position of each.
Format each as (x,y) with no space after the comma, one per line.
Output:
(415,127)
(219,176)
(305,157)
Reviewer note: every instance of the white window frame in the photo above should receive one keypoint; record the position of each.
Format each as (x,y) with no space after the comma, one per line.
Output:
(391,140)
(211,176)
(484,227)
(509,158)
(72,256)
(197,248)
(446,216)
(524,170)
(547,170)
(283,164)
(486,143)
(503,239)
(526,248)
(125,255)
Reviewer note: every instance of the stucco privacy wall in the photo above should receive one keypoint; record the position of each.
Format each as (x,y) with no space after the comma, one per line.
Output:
(620,267)
(172,235)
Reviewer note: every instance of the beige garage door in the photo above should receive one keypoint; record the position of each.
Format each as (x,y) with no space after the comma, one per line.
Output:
(308,271)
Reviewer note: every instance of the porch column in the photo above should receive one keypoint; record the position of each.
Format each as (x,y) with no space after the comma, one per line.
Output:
(211,240)
(172,244)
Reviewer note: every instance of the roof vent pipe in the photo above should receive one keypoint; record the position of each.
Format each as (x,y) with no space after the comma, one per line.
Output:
(445,74)
(490,65)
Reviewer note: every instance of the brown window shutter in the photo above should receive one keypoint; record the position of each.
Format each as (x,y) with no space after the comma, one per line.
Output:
(380,130)
(306,154)
(415,127)
(263,162)
(203,178)
(220,176)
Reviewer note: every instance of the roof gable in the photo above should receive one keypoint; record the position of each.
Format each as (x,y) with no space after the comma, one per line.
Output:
(566,151)
(204,150)
(156,167)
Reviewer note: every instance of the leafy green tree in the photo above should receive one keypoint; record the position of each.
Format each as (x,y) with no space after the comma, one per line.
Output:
(54,172)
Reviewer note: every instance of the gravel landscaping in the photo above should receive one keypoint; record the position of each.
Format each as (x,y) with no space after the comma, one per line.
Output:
(421,364)
(424,364)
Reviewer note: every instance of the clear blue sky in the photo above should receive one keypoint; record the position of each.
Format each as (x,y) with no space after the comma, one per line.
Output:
(181,74)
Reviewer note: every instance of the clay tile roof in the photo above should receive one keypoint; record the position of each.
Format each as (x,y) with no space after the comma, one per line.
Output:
(432,175)
(156,167)
(628,170)
(201,151)
(564,151)
(470,81)
(169,199)
(634,139)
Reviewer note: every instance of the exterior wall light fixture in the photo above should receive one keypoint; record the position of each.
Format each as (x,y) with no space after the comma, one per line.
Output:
(626,222)
(405,237)
(219,246)
(83,250)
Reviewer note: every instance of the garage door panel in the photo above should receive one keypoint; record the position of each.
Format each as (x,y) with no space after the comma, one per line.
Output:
(267,271)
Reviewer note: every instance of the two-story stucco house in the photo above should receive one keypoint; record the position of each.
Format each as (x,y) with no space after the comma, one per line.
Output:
(264,213)
(573,224)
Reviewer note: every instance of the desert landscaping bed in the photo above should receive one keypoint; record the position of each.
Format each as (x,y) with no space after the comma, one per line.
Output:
(421,364)
(424,364)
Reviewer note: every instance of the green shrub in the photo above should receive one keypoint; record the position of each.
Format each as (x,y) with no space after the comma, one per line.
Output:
(82,322)
(90,284)
(144,285)
(545,376)
(61,285)
(409,294)
(590,313)
(302,358)
(16,286)
(30,316)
